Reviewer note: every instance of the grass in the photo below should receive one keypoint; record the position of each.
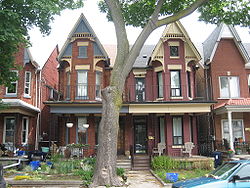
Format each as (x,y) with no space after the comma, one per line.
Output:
(183,174)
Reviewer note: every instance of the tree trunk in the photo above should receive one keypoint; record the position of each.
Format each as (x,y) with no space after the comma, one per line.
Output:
(105,170)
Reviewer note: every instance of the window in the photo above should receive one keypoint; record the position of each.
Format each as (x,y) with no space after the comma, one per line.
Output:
(98,84)
(229,87)
(244,173)
(25,130)
(140,89)
(175,83)
(82,51)
(68,85)
(189,85)
(27,83)
(174,51)
(82,136)
(159,84)
(162,129)
(9,129)
(237,126)
(12,90)
(82,85)
(177,131)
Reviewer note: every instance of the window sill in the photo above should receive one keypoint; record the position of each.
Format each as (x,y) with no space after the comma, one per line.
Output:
(10,95)
(160,99)
(178,146)
(82,98)
(81,57)
(174,57)
(221,98)
(176,97)
(27,96)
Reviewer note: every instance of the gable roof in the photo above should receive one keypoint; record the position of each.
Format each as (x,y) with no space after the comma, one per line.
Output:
(27,58)
(222,31)
(82,28)
(176,30)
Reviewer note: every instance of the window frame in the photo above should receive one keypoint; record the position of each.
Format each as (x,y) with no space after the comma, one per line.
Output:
(84,90)
(174,55)
(182,133)
(226,120)
(86,130)
(14,82)
(139,92)
(29,84)
(175,88)
(160,90)
(68,77)
(4,129)
(26,131)
(229,88)
(83,52)
(98,87)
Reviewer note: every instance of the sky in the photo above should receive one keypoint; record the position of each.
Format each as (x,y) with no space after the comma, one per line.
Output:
(42,46)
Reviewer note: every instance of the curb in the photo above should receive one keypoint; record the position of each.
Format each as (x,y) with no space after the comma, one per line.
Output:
(48,183)
(160,180)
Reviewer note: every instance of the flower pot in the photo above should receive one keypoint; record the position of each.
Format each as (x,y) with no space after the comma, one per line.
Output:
(230,155)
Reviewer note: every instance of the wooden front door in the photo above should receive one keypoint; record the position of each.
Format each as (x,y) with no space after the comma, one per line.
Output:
(120,139)
(140,135)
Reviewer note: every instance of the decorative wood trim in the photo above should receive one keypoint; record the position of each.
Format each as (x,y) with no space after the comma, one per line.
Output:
(82,67)
(174,67)
(158,69)
(82,43)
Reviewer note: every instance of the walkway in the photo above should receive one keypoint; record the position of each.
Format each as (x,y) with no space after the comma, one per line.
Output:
(141,179)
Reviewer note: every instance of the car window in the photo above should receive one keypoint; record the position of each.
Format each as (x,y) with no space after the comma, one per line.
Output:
(225,170)
(244,173)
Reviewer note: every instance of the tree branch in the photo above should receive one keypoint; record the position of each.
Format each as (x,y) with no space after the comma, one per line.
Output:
(122,39)
(181,13)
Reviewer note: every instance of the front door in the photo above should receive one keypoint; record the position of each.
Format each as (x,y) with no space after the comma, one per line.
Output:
(140,131)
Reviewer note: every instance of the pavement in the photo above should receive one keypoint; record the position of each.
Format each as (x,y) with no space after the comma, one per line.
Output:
(141,179)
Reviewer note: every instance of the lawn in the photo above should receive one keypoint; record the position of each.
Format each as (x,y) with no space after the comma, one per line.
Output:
(183,174)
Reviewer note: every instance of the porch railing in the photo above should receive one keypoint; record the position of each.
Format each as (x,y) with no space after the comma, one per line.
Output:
(244,147)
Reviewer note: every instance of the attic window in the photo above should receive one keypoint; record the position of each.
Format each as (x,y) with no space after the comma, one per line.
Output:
(82,53)
(144,56)
(174,51)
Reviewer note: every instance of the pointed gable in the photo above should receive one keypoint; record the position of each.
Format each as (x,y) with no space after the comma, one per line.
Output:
(223,31)
(176,31)
(82,29)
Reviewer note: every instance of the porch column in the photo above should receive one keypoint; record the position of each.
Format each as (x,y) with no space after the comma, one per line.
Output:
(230,128)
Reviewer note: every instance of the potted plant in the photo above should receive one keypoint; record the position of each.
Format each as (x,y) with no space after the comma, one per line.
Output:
(230,153)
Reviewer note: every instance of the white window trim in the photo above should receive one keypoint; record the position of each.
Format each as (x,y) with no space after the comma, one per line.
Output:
(229,88)
(27,94)
(4,127)
(6,92)
(27,131)
(243,128)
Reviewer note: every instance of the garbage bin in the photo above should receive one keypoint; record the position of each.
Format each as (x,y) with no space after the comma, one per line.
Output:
(173,177)
(217,155)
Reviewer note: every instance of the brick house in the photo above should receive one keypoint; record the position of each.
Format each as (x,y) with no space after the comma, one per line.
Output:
(20,122)
(160,101)
(227,68)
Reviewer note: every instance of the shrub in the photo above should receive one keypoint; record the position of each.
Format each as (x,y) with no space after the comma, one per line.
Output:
(120,171)
(165,163)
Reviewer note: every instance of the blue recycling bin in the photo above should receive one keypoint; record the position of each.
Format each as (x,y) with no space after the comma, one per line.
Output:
(34,165)
(217,155)
(173,177)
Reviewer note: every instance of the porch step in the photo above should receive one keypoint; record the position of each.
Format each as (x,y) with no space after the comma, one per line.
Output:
(123,163)
(141,162)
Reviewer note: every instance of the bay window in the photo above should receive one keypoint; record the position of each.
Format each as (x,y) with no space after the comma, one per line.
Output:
(82,85)
(25,130)
(9,130)
(229,87)
(175,83)
(159,84)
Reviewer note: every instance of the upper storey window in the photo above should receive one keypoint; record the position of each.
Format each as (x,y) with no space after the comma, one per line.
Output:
(12,90)
(82,53)
(229,87)
(98,84)
(27,84)
(174,49)
(175,82)
(160,84)
(82,85)
(140,89)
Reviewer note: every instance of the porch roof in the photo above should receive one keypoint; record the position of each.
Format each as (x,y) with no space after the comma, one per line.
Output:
(68,107)
(234,105)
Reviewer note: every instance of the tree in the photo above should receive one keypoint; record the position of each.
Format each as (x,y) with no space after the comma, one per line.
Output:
(148,14)
(16,18)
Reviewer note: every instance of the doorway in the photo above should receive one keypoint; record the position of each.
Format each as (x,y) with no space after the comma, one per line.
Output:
(140,135)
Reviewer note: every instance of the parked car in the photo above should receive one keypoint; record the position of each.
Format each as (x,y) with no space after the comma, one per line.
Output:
(228,175)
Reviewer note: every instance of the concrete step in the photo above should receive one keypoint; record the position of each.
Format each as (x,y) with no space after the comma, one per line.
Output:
(140,168)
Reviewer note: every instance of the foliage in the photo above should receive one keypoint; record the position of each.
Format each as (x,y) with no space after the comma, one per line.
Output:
(77,145)
(164,162)
(137,13)
(120,171)
(16,18)
(230,151)
(183,174)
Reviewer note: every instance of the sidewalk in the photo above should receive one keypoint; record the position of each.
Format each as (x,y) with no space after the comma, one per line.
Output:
(141,179)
